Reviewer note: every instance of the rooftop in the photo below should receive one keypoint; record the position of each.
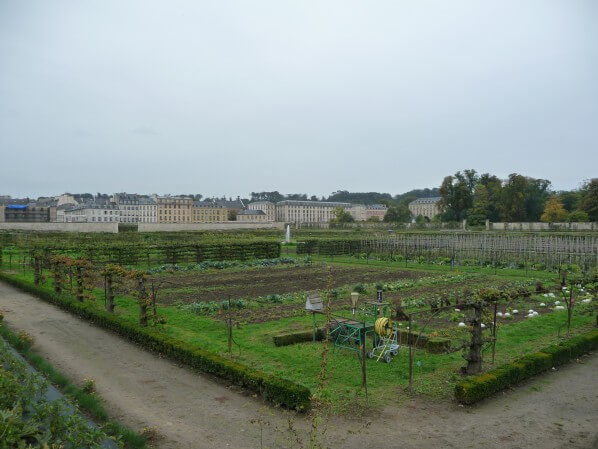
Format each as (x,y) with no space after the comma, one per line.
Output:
(432,200)
(251,212)
(312,203)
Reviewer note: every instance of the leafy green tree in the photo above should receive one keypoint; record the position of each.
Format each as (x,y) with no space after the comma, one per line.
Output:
(494,190)
(342,216)
(538,192)
(417,193)
(373,219)
(481,206)
(554,211)
(578,216)
(570,199)
(456,194)
(589,199)
(397,214)
(512,205)
(274,196)
(359,197)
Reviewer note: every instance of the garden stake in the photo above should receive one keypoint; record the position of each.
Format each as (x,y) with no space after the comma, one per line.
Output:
(363,366)
(230,332)
(410,356)
(494,333)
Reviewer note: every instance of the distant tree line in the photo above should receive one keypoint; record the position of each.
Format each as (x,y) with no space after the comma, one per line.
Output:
(467,195)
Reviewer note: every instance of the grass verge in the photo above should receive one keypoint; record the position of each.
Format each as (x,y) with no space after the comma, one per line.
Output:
(90,403)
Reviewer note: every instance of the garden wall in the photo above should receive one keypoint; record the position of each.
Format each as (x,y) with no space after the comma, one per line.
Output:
(60,227)
(538,226)
(181,227)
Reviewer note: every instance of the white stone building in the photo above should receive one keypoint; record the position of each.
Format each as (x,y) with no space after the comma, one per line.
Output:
(358,212)
(294,211)
(128,205)
(147,212)
(268,207)
(92,213)
(426,207)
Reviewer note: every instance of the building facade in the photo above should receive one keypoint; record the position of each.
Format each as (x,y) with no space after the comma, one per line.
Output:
(357,211)
(24,213)
(147,210)
(92,213)
(426,207)
(128,205)
(233,207)
(267,207)
(376,210)
(174,209)
(294,211)
(252,216)
(209,212)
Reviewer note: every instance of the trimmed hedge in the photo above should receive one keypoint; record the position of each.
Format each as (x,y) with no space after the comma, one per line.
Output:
(278,390)
(298,337)
(329,247)
(435,345)
(483,385)
(125,253)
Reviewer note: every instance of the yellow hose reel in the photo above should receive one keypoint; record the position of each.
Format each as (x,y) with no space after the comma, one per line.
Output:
(383,327)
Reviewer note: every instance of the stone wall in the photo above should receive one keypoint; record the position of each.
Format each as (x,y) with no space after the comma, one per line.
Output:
(60,227)
(539,226)
(231,225)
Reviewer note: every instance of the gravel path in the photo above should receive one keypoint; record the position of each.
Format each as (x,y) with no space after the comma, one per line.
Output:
(189,410)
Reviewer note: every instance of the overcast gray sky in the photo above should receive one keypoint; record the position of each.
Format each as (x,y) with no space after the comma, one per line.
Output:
(229,97)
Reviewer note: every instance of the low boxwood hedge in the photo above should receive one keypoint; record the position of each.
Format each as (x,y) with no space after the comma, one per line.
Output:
(438,345)
(298,337)
(273,388)
(483,385)
(435,345)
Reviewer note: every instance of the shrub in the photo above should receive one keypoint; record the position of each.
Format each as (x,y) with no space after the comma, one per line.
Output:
(25,340)
(298,337)
(481,386)
(89,385)
(360,288)
(437,345)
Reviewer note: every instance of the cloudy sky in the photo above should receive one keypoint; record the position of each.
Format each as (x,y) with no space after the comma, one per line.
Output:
(229,97)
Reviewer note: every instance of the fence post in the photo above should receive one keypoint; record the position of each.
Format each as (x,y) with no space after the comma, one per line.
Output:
(363,366)
(410,356)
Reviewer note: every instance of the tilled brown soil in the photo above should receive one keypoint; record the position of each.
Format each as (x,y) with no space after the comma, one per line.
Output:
(217,286)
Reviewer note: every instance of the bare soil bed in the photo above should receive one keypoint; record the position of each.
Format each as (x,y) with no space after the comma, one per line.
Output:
(217,286)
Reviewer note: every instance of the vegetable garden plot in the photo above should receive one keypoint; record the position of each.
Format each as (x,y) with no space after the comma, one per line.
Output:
(218,286)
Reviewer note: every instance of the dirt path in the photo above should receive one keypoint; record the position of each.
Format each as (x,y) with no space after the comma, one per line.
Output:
(558,410)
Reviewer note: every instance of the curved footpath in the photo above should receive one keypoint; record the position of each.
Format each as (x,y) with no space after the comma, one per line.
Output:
(189,410)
